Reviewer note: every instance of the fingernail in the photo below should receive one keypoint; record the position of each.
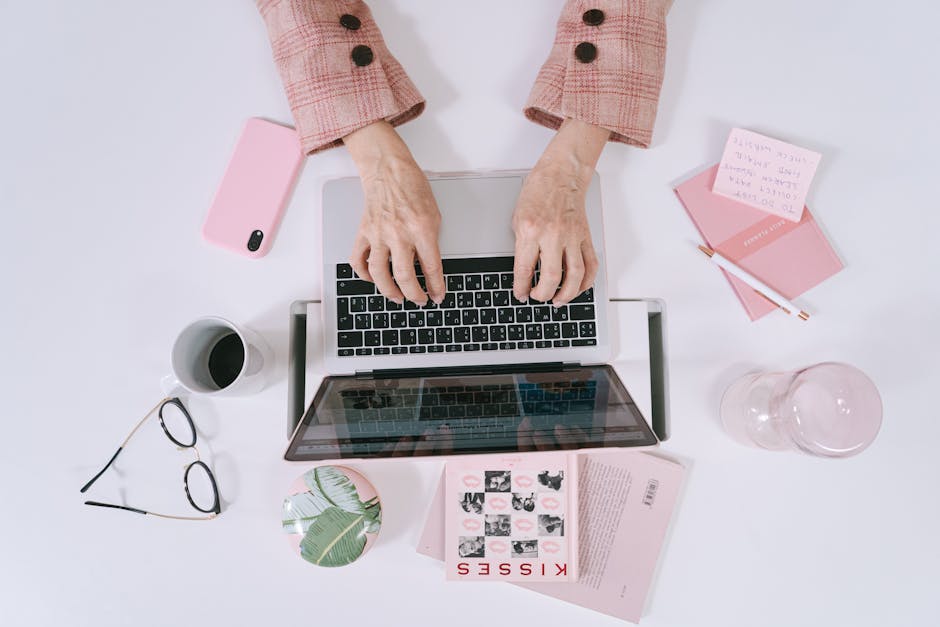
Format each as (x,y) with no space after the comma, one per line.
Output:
(398,301)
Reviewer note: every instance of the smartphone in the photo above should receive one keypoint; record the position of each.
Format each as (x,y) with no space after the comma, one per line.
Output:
(248,206)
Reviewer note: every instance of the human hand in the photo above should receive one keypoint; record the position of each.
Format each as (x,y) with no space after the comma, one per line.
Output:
(550,221)
(401,220)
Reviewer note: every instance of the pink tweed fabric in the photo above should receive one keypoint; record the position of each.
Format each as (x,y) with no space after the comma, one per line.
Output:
(619,90)
(331,96)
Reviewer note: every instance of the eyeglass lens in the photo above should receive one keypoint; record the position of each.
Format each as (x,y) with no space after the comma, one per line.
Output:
(200,487)
(177,423)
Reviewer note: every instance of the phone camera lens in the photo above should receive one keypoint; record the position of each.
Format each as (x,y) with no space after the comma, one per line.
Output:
(254,242)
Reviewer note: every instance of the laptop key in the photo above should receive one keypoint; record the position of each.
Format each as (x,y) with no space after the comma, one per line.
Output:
(361,352)
(473,282)
(390,338)
(344,323)
(471,317)
(452,318)
(415,318)
(399,350)
(436,348)
(516,332)
(454,283)
(399,319)
(562,343)
(453,348)
(444,336)
(490,346)
(505,280)
(487,316)
(506,315)
(543,344)
(342,306)
(380,321)
(481,334)
(523,314)
(525,345)
(426,336)
(408,337)
(434,318)
(392,306)
(450,301)
(491,281)
(464,300)
(349,339)
(587,342)
(363,321)
(483,299)
(417,349)
(560,314)
(381,350)
(551,331)
(569,329)
(585,297)
(411,306)
(344,271)
(506,346)
(346,352)
(353,287)
(357,305)
(543,314)
(376,303)
(373,338)
(497,334)
(587,329)
(462,335)
(533,332)
(501,298)
(581,312)
(471,347)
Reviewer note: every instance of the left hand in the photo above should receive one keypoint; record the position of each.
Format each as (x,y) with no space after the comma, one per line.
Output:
(550,221)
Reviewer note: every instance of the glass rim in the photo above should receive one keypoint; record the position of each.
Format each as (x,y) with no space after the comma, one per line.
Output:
(216,505)
(176,402)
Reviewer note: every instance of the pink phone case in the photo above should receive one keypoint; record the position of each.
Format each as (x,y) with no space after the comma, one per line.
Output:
(250,201)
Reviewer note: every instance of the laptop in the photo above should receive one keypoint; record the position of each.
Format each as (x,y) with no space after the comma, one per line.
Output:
(479,373)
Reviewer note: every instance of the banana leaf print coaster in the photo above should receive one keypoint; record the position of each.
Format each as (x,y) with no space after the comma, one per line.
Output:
(332,515)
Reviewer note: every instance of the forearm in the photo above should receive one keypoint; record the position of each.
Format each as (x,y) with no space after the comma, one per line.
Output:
(575,149)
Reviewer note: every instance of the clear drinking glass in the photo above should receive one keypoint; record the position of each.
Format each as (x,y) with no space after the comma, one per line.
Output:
(829,409)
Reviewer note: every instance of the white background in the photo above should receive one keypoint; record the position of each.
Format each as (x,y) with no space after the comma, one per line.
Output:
(117,121)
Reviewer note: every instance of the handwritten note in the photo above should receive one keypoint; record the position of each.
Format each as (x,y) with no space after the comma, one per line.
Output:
(766,173)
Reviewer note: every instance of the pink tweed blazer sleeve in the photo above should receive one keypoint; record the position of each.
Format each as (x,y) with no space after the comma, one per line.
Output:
(337,71)
(605,68)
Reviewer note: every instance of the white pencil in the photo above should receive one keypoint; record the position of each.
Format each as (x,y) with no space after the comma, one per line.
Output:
(756,284)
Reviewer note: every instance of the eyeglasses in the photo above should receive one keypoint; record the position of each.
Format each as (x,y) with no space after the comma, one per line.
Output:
(198,481)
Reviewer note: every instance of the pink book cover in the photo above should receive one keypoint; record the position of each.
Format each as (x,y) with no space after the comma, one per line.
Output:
(625,504)
(790,257)
(511,518)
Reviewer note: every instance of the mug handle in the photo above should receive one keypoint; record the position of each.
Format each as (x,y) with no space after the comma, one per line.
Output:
(171,386)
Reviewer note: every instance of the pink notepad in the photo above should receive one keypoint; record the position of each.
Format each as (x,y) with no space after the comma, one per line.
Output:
(790,257)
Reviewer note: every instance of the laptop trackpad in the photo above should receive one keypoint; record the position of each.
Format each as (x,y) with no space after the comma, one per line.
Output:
(477,215)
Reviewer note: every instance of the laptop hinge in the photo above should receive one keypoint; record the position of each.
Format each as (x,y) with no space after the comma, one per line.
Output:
(450,371)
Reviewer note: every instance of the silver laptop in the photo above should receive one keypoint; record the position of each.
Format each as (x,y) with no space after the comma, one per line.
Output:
(480,373)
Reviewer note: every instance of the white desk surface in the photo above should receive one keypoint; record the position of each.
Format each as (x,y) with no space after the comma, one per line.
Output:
(117,121)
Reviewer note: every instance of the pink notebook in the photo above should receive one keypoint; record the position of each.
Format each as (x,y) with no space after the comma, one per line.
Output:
(790,257)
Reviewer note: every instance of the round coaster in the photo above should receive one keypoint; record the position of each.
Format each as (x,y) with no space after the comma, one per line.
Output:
(331,515)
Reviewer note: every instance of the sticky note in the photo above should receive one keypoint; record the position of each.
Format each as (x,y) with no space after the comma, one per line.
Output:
(766,173)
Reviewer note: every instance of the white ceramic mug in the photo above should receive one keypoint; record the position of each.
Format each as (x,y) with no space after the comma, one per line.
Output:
(214,356)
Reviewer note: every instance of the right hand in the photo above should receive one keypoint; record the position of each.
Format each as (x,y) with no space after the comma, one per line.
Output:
(401,221)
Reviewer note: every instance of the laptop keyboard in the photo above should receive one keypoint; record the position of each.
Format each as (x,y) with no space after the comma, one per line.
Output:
(479,313)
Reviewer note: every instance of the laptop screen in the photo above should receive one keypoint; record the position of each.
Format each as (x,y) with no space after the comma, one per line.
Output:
(454,414)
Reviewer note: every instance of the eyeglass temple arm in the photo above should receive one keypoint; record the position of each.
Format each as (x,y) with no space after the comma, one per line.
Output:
(124,507)
(121,448)
(102,471)
(140,511)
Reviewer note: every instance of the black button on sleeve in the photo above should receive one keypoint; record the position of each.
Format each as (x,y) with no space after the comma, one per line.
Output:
(362,55)
(585,52)
(593,17)
(352,22)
